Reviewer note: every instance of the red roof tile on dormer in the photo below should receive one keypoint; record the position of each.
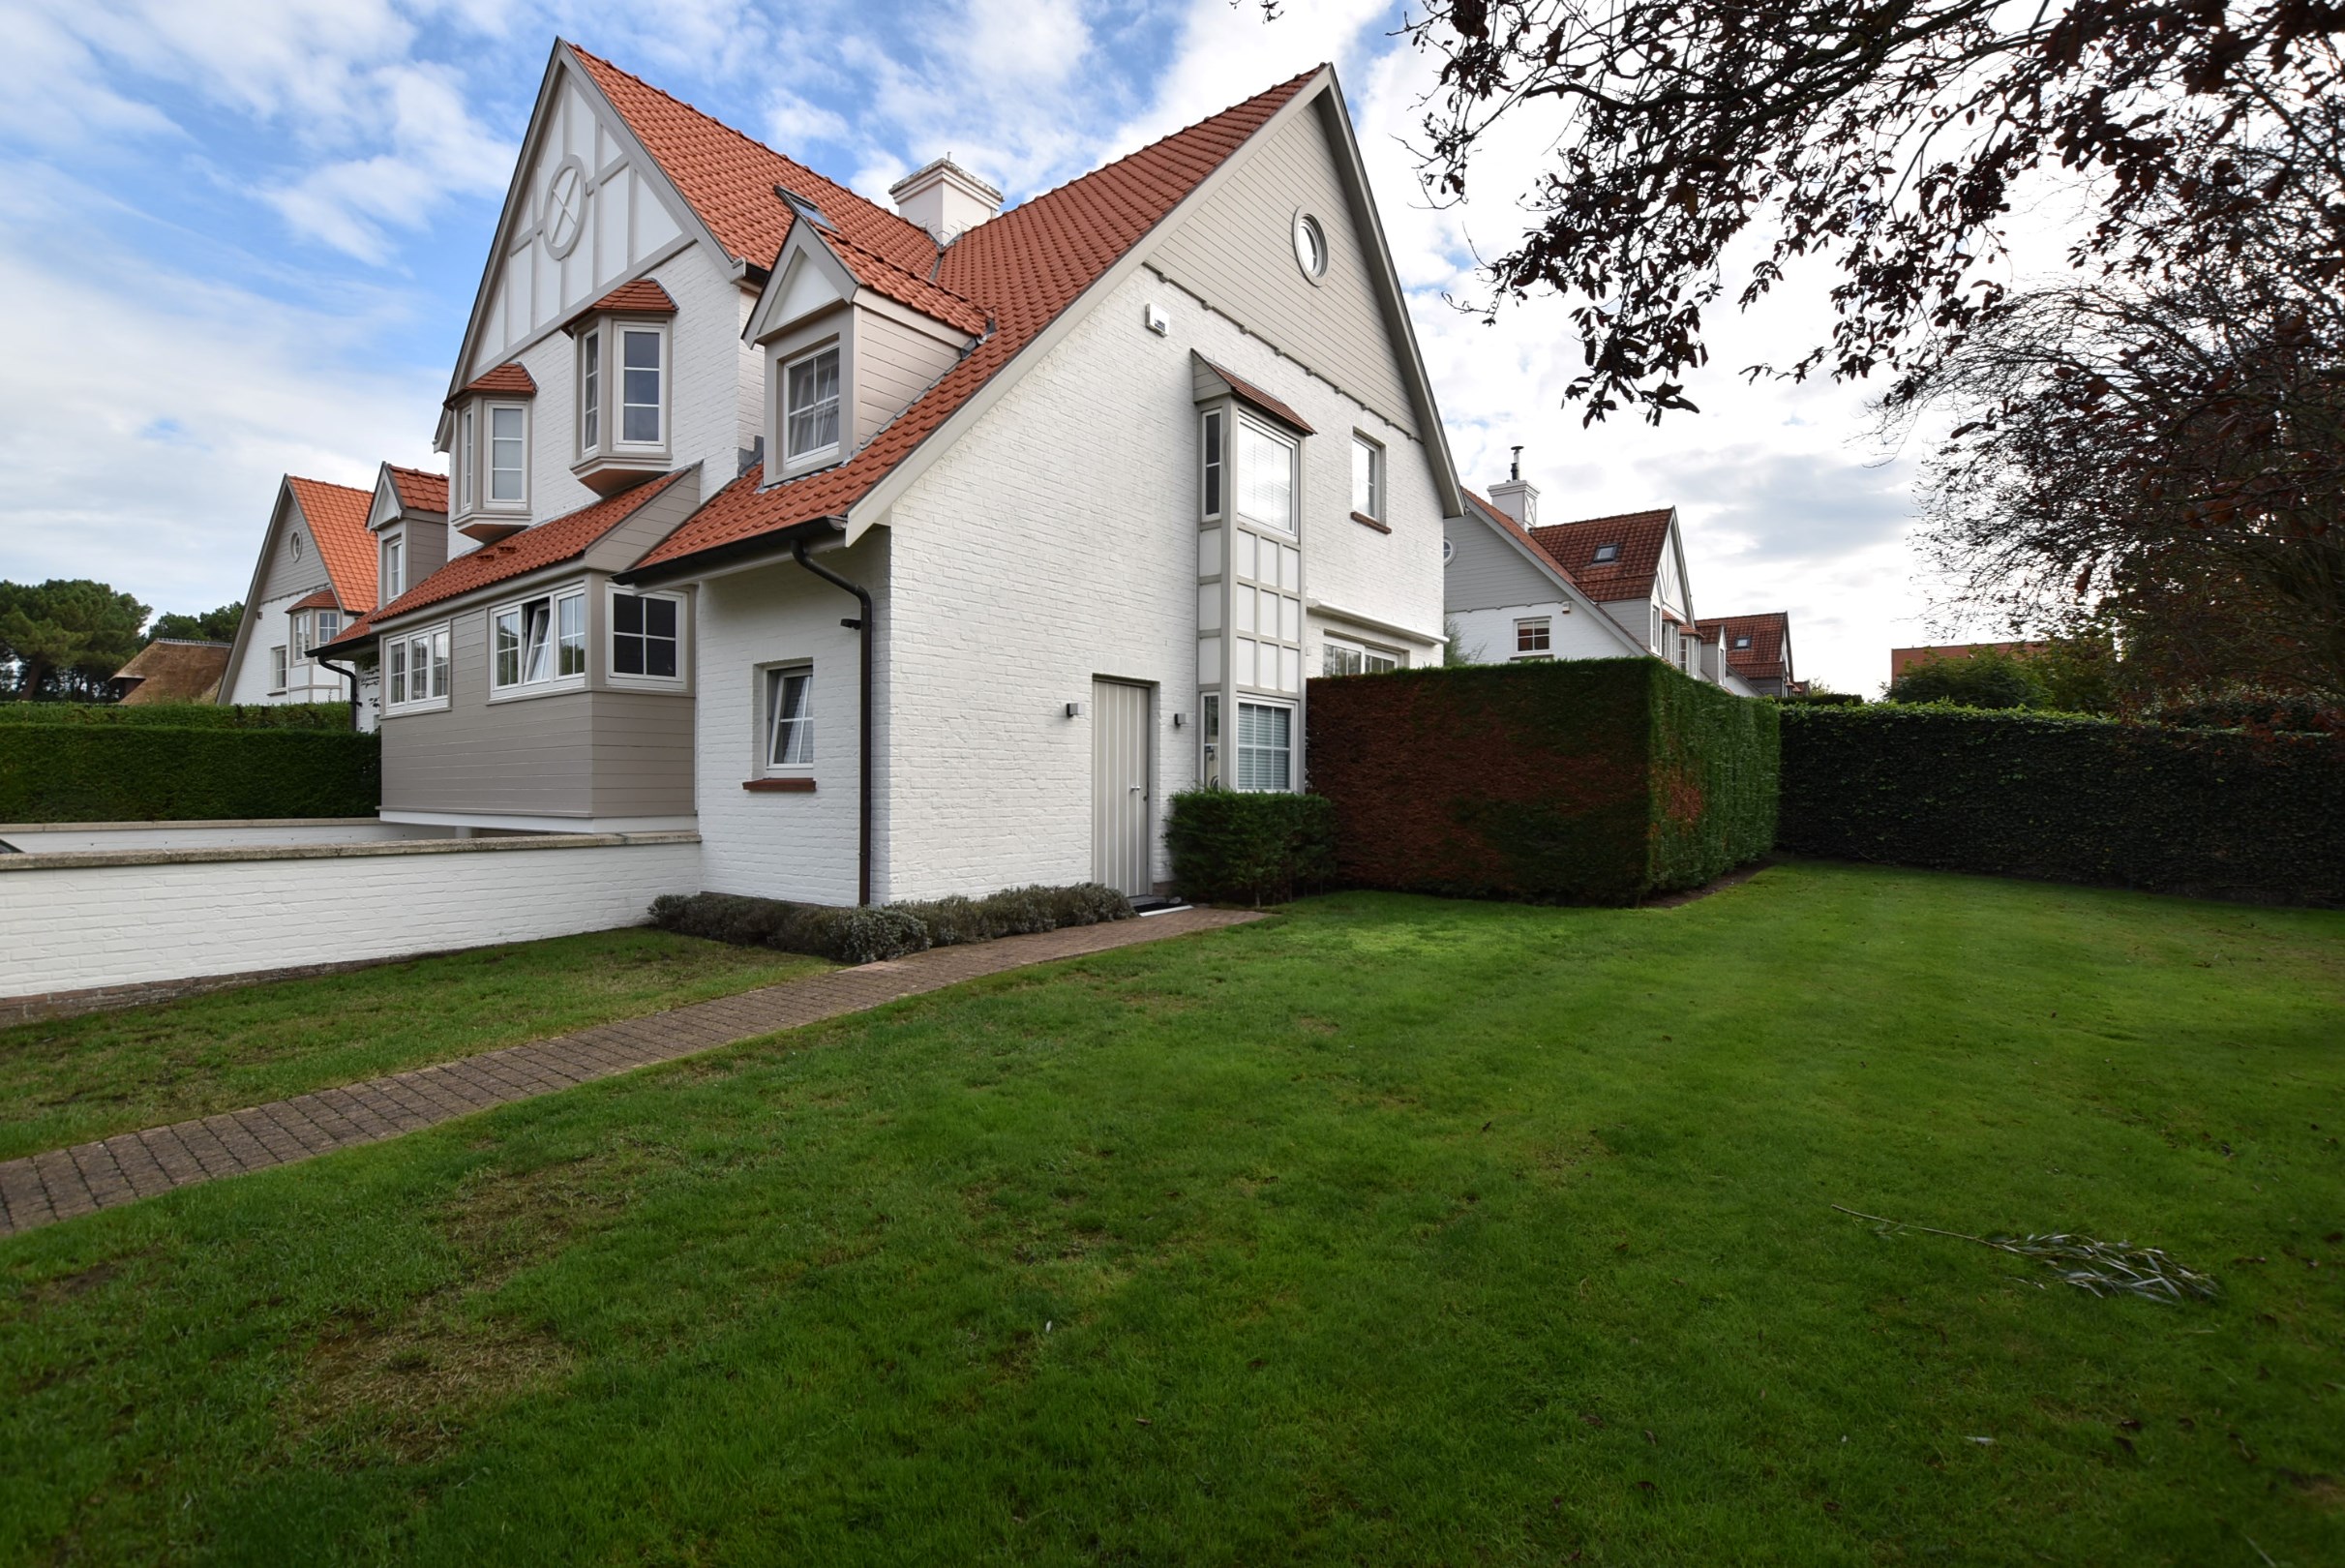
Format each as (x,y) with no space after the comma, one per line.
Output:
(1628,575)
(419,490)
(337,517)
(1769,633)
(641,297)
(1023,269)
(510,380)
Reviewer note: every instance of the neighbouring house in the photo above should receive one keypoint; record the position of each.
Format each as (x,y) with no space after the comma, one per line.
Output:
(1604,587)
(1757,649)
(315,577)
(172,669)
(1904,659)
(915,551)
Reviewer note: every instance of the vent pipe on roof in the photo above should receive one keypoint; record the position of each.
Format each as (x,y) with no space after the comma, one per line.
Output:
(946,199)
(1514,469)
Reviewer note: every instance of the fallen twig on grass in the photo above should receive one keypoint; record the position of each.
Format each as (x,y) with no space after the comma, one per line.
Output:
(2103,1268)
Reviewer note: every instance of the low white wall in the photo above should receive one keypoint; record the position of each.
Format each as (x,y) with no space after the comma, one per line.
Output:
(77,921)
(56,838)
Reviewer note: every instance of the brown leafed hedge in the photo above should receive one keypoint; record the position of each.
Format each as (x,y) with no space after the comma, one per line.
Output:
(2210,813)
(1597,781)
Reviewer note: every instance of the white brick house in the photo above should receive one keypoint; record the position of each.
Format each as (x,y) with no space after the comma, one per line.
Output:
(908,553)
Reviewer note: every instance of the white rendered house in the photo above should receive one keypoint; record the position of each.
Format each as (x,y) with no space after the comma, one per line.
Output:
(915,551)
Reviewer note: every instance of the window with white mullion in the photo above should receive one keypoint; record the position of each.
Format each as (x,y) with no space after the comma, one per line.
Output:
(789,719)
(646,635)
(1266,477)
(590,391)
(1266,742)
(508,454)
(810,406)
(642,375)
(415,669)
(1367,478)
(539,642)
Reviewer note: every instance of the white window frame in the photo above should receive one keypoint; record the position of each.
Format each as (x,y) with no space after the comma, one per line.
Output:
(468,425)
(1367,658)
(502,690)
(390,568)
(1291,527)
(611,636)
(614,379)
(280,666)
(813,457)
(1362,442)
(1236,774)
(402,676)
(590,383)
(1542,627)
(490,501)
(771,679)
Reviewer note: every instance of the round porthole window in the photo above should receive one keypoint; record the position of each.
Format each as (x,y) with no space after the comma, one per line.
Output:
(293,540)
(1449,548)
(1310,247)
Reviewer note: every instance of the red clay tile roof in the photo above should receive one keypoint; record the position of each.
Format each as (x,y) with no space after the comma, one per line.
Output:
(1024,268)
(874,271)
(337,517)
(1768,657)
(511,378)
(728,179)
(543,544)
(322,600)
(641,297)
(1628,575)
(419,490)
(1247,392)
(1520,534)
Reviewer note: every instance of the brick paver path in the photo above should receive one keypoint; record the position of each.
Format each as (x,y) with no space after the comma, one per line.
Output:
(63,1183)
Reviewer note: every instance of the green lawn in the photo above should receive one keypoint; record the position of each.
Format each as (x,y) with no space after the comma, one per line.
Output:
(70,1079)
(1392,1231)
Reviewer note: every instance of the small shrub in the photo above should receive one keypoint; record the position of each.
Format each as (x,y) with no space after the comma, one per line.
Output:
(1256,848)
(868,934)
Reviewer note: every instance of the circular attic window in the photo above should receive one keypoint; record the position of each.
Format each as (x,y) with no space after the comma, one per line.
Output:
(566,216)
(1310,247)
(1449,548)
(293,542)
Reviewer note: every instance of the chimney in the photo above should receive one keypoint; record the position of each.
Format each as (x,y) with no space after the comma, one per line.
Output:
(1517,498)
(946,199)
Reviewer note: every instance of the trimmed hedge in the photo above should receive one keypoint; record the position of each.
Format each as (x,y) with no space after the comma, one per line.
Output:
(184,716)
(867,933)
(1252,848)
(2208,813)
(1590,781)
(135,773)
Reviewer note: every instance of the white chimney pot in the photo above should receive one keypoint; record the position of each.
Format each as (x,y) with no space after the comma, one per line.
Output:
(946,199)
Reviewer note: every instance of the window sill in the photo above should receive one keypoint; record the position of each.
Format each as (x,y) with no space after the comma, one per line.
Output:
(1368,521)
(549,688)
(403,709)
(778,786)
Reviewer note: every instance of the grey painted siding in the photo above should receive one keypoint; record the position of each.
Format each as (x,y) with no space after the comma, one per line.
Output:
(1487,573)
(895,364)
(1236,253)
(284,575)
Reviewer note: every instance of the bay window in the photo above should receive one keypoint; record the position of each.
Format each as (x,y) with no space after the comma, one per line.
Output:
(642,375)
(591,392)
(1342,658)
(1266,477)
(538,642)
(508,457)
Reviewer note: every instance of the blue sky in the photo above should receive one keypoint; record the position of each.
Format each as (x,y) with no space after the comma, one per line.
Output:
(243,239)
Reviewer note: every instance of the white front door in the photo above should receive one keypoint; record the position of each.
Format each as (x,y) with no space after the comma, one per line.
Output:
(1119,787)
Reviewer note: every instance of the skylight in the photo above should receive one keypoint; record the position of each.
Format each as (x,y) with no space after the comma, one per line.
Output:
(1606,552)
(802,207)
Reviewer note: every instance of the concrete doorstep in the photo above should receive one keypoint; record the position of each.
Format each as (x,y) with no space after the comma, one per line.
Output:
(61,1184)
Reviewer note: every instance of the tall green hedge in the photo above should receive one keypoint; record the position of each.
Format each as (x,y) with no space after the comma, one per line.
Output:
(184,716)
(135,772)
(1598,781)
(2205,812)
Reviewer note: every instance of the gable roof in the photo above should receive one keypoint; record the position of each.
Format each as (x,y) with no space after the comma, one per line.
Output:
(418,490)
(1246,392)
(1640,536)
(545,544)
(512,379)
(173,670)
(336,516)
(1023,268)
(1515,535)
(1770,632)
(644,296)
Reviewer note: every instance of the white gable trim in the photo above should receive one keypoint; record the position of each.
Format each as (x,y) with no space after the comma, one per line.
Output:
(563,66)
(808,275)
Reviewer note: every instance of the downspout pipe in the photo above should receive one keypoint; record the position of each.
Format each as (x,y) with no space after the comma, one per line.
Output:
(348,673)
(867,625)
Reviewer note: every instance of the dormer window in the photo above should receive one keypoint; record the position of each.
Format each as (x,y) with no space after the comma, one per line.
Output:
(489,464)
(1605,554)
(802,207)
(623,386)
(391,578)
(810,408)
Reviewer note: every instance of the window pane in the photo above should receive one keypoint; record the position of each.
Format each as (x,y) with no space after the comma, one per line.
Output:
(1363,478)
(1264,742)
(570,611)
(399,672)
(508,647)
(627,612)
(659,617)
(504,454)
(1212,464)
(790,697)
(537,641)
(1266,480)
(590,391)
(440,663)
(639,387)
(813,408)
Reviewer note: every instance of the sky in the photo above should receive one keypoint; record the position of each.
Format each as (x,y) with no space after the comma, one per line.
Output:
(243,237)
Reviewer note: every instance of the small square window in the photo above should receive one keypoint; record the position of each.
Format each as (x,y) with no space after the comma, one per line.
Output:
(1536,636)
(644,636)
(1742,642)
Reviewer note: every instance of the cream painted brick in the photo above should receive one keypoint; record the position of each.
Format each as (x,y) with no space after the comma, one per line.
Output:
(1488,636)
(73,928)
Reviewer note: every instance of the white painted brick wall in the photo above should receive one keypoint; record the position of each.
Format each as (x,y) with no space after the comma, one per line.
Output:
(72,928)
(1488,636)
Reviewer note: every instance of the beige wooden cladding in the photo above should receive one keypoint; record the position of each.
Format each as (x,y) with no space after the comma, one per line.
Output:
(1120,786)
